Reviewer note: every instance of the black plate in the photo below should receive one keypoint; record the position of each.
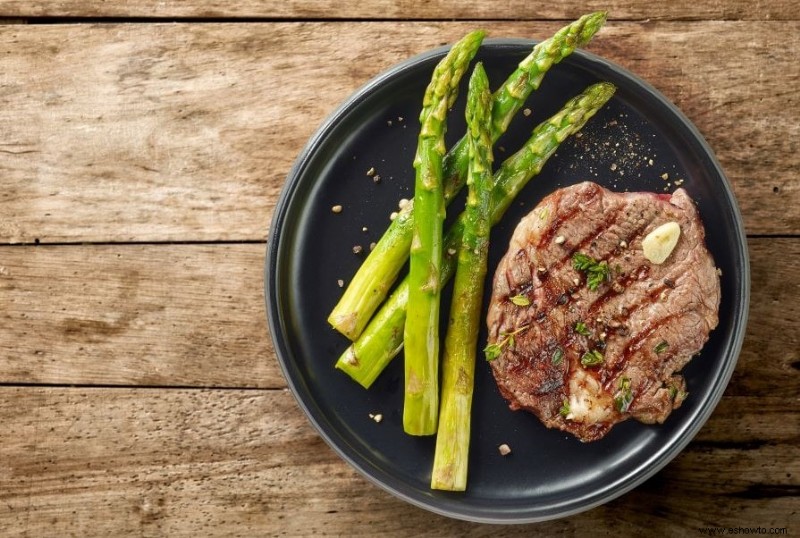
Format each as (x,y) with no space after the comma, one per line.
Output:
(629,145)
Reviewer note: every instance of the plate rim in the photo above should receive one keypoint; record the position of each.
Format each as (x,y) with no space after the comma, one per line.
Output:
(283,354)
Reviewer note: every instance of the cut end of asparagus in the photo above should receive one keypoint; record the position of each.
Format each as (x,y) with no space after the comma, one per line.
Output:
(345,324)
(349,364)
(444,480)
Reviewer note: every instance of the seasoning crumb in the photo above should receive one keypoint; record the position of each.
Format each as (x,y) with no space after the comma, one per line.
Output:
(719,271)
(603,335)
(399,118)
(527,112)
(357,249)
(451,251)
(541,270)
(340,282)
(504,449)
(371,171)
(364,229)
(376,417)
(613,166)
(389,123)
(576,281)
(393,215)
(372,245)
(678,182)
(560,240)
(337,208)
(623,244)
(650,162)
(402,203)
(502,148)
(665,176)
(376,178)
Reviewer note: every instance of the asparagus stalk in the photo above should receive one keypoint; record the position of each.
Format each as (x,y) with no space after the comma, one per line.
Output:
(421,337)
(379,344)
(458,372)
(372,281)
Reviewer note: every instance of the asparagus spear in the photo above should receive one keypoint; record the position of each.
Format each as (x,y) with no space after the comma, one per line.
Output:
(458,372)
(372,281)
(382,339)
(421,337)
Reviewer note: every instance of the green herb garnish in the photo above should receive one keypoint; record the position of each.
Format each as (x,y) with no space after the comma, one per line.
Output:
(582,329)
(596,272)
(675,393)
(492,351)
(564,410)
(661,347)
(592,358)
(624,397)
(582,262)
(558,356)
(520,300)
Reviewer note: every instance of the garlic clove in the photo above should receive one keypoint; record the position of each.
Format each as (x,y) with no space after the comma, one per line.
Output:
(660,243)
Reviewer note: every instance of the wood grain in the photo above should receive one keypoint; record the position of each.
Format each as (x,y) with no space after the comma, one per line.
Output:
(193,315)
(185,132)
(403,9)
(227,462)
(135,315)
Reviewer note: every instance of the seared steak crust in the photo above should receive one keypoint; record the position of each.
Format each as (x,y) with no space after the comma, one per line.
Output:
(645,321)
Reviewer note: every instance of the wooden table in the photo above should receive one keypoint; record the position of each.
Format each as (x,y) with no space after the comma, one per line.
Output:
(143,145)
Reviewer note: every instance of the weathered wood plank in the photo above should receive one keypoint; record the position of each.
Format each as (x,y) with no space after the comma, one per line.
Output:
(123,462)
(193,315)
(186,131)
(140,315)
(402,9)
(770,360)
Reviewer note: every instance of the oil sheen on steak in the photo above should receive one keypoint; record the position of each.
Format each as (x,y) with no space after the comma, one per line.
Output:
(645,322)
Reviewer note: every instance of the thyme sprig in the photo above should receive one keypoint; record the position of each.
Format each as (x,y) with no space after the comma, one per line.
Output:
(592,358)
(492,351)
(596,272)
(624,396)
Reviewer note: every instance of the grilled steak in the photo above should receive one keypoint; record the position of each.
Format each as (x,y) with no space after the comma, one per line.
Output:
(584,359)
